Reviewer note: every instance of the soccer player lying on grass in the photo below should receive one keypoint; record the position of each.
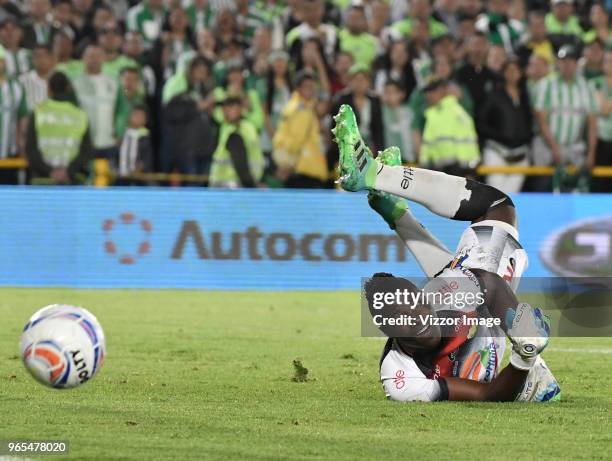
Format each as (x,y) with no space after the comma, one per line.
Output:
(489,246)
(418,359)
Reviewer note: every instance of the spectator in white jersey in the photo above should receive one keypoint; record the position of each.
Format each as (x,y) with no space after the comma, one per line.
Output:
(13,111)
(565,108)
(97,94)
(17,59)
(603,95)
(35,81)
(135,152)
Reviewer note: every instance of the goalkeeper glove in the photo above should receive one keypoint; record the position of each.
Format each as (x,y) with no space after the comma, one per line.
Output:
(528,331)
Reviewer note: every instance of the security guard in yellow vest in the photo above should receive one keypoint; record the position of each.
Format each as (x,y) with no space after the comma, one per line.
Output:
(238,160)
(58,145)
(449,142)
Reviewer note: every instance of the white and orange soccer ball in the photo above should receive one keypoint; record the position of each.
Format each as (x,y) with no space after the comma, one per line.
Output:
(63,346)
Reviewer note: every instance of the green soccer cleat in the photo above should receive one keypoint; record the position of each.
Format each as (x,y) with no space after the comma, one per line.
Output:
(390,207)
(390,156)
(356,168)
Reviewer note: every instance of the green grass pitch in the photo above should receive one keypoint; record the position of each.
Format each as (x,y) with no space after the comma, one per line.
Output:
(208,375)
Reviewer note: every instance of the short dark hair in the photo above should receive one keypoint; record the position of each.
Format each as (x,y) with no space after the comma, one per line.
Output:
(395,83)
(302,76)
(61,89)
(199,60)
(130,69)
(536,14)
(358,7)
(41,46)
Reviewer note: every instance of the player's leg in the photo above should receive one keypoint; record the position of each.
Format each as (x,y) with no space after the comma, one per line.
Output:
(428,251)
(445,195)
(404,381)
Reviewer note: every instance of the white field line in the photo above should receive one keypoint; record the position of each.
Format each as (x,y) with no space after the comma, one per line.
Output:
(580,350)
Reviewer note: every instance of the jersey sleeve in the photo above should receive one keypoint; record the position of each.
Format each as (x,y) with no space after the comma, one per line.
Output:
(403,381)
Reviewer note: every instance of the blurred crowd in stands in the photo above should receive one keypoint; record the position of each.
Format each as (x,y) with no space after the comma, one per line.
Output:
(241,92)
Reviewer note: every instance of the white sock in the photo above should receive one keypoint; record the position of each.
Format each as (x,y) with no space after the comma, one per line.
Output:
(439,192)
(429,252)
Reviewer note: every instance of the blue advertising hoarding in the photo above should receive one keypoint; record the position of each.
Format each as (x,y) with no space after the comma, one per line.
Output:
(256,239)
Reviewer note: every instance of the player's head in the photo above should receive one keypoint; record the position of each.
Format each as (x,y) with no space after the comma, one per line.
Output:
(389,298)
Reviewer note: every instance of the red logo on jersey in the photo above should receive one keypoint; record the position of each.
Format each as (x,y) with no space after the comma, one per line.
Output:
(510,271)
(399,379)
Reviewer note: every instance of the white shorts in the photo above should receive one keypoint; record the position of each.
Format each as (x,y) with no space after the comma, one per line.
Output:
(492,246)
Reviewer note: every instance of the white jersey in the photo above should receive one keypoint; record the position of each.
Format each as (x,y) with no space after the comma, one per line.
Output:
(488,245)
(492,246)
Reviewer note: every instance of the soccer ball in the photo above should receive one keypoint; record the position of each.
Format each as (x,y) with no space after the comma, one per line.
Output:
(63,346)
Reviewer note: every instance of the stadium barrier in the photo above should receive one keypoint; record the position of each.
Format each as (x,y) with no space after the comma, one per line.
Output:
(257,239)
(104,177)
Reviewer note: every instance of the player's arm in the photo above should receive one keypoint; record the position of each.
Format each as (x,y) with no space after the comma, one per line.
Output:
(415,387)
(504,388)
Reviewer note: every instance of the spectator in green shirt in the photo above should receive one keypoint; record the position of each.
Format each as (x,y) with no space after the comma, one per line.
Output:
(110,40)
(419,9)
(600,26)
(355,38)
(593,58)
(235,82)
(62,52)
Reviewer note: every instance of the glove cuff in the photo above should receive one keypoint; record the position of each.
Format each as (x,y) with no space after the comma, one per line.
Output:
(522,363)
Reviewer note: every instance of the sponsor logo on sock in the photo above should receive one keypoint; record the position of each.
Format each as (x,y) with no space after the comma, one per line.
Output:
(408,176)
